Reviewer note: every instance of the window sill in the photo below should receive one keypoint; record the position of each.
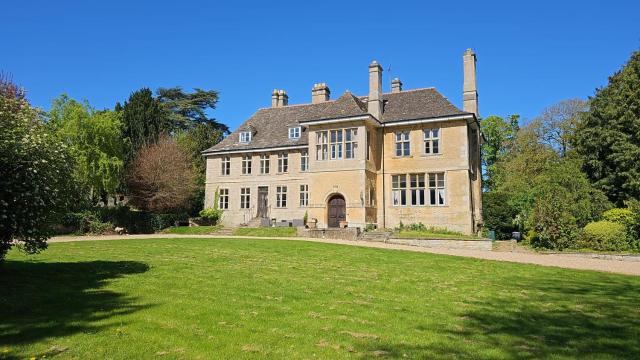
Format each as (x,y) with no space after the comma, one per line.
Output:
(430,155)
(402,157)
(419,206)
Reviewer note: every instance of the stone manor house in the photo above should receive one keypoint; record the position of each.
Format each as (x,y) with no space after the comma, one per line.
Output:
(405,156)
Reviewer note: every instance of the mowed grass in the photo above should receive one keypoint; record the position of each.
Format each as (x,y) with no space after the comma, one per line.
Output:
(275,299)
(266,231)
(191,230)
(428,234)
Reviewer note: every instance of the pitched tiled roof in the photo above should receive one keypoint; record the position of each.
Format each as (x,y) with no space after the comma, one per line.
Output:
(417,104)
(269,126)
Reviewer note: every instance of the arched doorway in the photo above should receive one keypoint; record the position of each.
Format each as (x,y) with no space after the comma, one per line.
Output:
(336,210)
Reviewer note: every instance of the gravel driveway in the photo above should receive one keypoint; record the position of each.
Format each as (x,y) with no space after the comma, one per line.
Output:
(557,260)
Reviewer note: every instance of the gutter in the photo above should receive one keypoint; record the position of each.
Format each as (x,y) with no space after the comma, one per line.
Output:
(254,150)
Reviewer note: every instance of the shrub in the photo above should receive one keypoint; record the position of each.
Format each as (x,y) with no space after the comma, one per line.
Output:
(620,216)
(98,227)
(554,223)
(605,235)
(634,234)
(499,214)
(211,214)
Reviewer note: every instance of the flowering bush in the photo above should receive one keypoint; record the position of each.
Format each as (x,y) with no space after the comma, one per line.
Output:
(35,183)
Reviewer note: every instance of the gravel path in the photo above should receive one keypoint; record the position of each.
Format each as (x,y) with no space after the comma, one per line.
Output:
(557,260)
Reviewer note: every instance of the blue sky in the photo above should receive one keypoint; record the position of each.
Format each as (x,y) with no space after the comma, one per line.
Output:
(530,54)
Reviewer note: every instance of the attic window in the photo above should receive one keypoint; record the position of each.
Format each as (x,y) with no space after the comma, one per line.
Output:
(245,137)
(294,132)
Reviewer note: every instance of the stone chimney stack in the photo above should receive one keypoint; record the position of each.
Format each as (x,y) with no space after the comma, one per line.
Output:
(283,98)
(396,86)
(374,104)
(470,90)
(320,93)
(279,98)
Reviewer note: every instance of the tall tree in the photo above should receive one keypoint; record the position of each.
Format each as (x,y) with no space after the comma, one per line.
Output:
(500,136)
(608,137)
(185,110)
(143,121)
(35,168)
(558,123)
(95,140)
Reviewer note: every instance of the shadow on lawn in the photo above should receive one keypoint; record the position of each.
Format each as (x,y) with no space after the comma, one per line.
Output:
(562,317)
(41,300)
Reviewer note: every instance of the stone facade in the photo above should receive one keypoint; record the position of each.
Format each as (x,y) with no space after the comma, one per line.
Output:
(352,174)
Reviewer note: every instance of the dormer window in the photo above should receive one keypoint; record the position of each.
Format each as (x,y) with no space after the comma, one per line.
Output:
(245,137)
(294,132)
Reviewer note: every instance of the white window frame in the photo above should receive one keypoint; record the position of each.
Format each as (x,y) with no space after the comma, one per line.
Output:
(398,190)
(403,143)
(223,198)
(265,162)
(432,142)
(245,198)
(283,163)
(247,161)
(295,132)
(304,160)
(281,196)
(225,165)
(336,144)
(350,143)
(245,137)
(418,189)
(304,195)
(437,189)
(322,145)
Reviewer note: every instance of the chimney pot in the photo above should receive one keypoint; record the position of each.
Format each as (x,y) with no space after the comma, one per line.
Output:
(320,93)
(396,86)
(279,98)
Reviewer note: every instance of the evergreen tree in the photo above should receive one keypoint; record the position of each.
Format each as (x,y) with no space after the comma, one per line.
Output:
(608,137)
(186,110)
(143,122)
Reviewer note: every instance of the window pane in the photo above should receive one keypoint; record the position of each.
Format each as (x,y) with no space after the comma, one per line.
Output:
(436,149)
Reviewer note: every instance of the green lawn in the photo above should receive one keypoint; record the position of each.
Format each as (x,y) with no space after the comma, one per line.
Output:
(428,234)
(275,299)
(266,231)
(191,230)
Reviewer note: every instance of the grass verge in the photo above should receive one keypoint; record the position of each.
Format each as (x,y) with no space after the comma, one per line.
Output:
(191,230)
(266,231)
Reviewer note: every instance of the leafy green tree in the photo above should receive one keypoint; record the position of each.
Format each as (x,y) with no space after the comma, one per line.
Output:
(499,135)
(144,121)
(95,140)
(608,137)
(186,110)
(35,181)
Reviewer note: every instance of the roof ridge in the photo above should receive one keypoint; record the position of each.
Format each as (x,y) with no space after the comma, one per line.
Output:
(412,90)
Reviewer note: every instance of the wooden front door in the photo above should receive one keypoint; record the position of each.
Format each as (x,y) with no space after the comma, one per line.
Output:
(263,202)
(337,211)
